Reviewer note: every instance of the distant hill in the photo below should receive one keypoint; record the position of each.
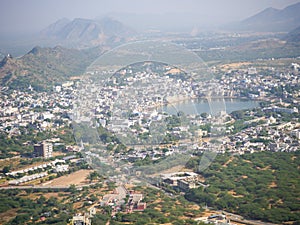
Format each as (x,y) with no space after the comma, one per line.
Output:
(264,15)
(43,67)
(84,33)
(273,20)
(78,33)
(293,36)
(55,28)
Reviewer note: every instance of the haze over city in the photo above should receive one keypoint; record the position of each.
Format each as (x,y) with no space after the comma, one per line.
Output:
(19,17)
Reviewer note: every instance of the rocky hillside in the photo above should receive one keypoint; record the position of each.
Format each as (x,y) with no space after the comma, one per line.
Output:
(43,67)
(83,33)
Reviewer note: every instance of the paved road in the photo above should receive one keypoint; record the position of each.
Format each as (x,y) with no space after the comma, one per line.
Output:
(43,187)
(250,222)
(240,219)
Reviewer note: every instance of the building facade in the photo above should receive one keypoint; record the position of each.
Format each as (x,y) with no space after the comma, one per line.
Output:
(43,149)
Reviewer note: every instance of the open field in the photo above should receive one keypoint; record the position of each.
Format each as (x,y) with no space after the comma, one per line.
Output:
(77,178)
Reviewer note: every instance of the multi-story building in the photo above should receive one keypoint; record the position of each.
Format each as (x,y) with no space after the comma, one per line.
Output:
(43,149)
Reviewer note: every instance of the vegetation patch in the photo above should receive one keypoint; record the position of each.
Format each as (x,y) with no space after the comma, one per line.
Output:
(263,186)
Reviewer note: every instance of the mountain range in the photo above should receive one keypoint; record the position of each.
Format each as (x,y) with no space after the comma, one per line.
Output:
(84,33)
(74,45)
(78,33)
(273,20)
(77,43)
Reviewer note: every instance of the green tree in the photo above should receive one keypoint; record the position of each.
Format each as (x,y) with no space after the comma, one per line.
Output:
(93,176)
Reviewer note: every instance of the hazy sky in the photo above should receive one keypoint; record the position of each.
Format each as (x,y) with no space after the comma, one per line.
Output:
(31,15)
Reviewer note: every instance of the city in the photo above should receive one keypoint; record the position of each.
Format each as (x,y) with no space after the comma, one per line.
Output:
(271,127)
(161,113)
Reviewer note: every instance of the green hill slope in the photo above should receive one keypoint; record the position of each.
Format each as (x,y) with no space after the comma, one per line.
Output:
(43,67)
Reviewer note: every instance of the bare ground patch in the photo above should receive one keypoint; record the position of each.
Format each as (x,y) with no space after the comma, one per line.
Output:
(229,161)
(76,178)
(7,216)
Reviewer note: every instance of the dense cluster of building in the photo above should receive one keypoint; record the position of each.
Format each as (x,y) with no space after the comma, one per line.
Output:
(262,85)
(127,105)
(37,110)
(269,136)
